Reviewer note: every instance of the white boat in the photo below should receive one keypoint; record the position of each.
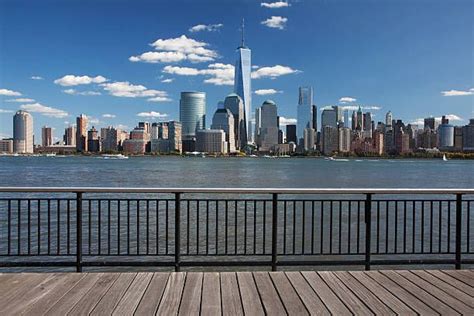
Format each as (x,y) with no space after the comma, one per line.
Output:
(118,156)
(444,158)
(51,155)
(330,158)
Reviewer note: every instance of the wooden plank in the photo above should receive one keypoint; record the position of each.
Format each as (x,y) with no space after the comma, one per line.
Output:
(288,295)
(251,302)
(171,299)
(269,296)
(65,303)
(453,281)
(87,303)
(330,300)
(444,297)
(231,301)
(388,298)
(363,294)
(354,304)
(211,294)
(152,297)
(309,298)
(67,282)
(133,295)
(113,296)
(461,275)
(18,285)
(191,300)
(446,287)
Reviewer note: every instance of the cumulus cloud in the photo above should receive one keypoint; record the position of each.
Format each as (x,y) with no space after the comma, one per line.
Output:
(5,111)
(182,71)
(347,100)
(127,90)
(36,78)
(108,115)
(275,22)
(220,74)
(456,93)
(21,100)
(152,114)
(9,93)
(167,80)
(273,72)
(158,57)
(72,80)
(206,27)
(354,107)
(275,5)
(44,110)
(266,91)
(287,121)
(159,99)
(75,92)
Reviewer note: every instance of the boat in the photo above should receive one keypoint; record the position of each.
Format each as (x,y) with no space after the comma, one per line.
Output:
(444,158)
(111,156)
(51,155)
(330,158)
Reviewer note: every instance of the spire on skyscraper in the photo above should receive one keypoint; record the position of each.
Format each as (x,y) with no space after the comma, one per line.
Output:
(242,44)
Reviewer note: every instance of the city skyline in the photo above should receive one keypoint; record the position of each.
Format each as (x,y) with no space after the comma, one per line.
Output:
(143,83)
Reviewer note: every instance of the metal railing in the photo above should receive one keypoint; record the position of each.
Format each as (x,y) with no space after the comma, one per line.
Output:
(177,227)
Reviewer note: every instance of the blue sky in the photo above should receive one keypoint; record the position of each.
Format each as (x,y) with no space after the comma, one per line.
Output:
(414,57)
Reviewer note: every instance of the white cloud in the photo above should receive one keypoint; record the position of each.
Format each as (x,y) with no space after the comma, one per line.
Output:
(44,110)
(353,107)
(21,100)
(184,45)
(167,80)
(159,57)
(6,111)
(108,115)
(220,74)
(276,22)
(9,93)
(159,99)
(266,91)
(273,72)
(122,127)
(275,5)
(255,67)
(195,58)
(204,27)
(93,120)
(455,93)
(182,71)
(127,90)
(452,117)
(75,92)
(347,100)
(36,78)
(152,114)
(287,121)
(72,80)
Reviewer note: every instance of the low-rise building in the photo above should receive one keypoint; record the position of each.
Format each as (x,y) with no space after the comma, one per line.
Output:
(211,141)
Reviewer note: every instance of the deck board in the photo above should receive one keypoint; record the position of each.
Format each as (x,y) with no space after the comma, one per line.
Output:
(384,292)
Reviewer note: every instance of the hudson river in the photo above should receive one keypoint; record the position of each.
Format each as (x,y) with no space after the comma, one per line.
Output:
(235,172)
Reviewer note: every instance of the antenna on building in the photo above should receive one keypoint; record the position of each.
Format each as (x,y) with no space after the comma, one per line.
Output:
(243,29)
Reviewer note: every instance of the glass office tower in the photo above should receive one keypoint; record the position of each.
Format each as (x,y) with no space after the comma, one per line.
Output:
(304,111)
(192,113)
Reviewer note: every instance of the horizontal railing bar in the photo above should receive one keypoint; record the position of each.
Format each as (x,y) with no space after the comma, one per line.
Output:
(240,190)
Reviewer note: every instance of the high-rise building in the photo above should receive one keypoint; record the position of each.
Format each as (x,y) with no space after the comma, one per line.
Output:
(346,119)
(329,118)
(309,139)
(468,136)
(224,120)
(360,120)
(46,136)
(304,111)
(242,80)
(354,120)
(6,146)
(93,142)
(330,137)
(367,125)
(211,141)
(146,126)
(236,106)
(378,141)
(388,120)
(430,122)
(70,136)
(192,113)
(344,139)
(23,132)
(81,133)
(166,137)
(268,130)
(291,133)
(458,138)
(445,136)
(110,139)
(315,117)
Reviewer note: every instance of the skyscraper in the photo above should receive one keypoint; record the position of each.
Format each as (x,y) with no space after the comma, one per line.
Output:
(236,106)
(268,134)
(81,133)
(388,120)
(304,111)
(22,132)
(346,119)
(93,142)
(242,80)
(192,113)
(46,136)
(70,136)
(315,117)
(224,120)
(291,133)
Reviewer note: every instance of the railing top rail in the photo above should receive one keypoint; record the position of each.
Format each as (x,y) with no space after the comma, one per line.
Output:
(240,190)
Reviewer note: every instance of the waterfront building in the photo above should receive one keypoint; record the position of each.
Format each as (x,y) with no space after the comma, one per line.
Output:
(360,120)
(166,137)
(235,104)
(70,136)
(46,136)
(192,115)
(315,117)
(427,139)
(291,133)
(146,126)
(309,139)
(224,120)
(257,125)
(330,139)
(388,120)
(304,117)
(345,136)
(379,142)
(445,134)
(329,118)
(6,146)
(81,133)
(93,142)
(268,130)
(134,146)
(242,79)
(211,141)
(159,130)
(402,140)
(458,138)
(389,140)
(110,139)
(367,125)
(430,123)
(346,119)
(23,132)
(468,136)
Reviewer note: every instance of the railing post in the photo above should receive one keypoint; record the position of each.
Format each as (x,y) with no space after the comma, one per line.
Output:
(274,231)
(177,231)
(368,229)
(79,231)
(458,229)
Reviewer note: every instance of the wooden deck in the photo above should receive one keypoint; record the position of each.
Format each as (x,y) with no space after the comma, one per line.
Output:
(230,293)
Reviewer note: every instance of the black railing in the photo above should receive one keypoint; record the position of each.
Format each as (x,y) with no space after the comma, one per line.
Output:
(85,227)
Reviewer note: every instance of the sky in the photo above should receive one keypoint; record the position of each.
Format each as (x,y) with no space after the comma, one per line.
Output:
(121,62)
